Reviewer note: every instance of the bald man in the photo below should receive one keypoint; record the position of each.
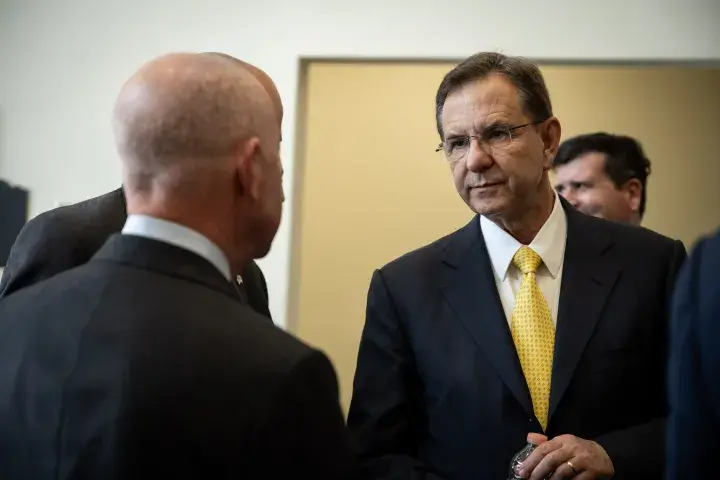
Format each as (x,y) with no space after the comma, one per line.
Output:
(68,236)
(143,363)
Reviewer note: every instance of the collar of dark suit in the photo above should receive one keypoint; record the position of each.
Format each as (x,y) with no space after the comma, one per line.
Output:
(586,235)
(148,254)
(251,274)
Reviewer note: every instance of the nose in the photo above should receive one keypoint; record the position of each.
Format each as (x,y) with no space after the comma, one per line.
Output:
(569,194)
(477,160)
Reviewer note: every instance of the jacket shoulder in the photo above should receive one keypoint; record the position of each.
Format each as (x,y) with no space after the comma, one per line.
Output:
(631,236)
(65,219)
(427,255)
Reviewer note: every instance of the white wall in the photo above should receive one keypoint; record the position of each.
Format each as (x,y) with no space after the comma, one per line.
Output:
(62,63)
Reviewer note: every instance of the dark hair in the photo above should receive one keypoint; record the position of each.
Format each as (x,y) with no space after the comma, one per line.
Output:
(624,157)
(523,73)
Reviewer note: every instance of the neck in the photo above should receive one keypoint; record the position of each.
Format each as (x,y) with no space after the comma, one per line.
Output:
(195,216)
(526,224)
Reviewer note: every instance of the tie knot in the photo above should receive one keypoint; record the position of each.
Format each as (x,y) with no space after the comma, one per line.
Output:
(527,260)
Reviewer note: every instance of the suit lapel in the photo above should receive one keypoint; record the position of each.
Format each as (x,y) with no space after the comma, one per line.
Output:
(469,287)
(587,281)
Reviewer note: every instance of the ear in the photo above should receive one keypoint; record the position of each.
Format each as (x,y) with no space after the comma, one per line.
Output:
(247,168)
(550,132)
(633,190)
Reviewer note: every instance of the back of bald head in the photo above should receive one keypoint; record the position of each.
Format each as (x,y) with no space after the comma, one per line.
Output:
(184,112)
(260,75)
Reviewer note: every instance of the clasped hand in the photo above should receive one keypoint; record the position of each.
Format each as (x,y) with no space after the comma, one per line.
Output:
(567,456)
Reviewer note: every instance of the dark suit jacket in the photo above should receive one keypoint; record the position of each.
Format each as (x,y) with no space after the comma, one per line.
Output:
(69,236)
(439,391)
(694,424)
(143,363)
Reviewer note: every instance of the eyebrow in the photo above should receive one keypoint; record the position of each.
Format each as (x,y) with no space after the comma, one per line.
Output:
(493,124)
(450,136)
(497,123)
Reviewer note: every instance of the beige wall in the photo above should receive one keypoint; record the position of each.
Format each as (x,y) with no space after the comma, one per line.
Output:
(370,186)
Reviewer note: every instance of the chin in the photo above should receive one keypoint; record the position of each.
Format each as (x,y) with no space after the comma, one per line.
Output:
(488,207)
(262,249)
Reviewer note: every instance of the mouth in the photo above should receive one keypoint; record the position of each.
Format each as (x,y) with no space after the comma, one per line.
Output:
(487,185)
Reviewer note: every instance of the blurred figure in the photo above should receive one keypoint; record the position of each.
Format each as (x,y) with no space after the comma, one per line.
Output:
(143,363)
(603,175)
(694,425)
(532,318)
(65,237)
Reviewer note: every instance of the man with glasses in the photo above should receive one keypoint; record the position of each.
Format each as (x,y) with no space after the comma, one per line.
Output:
(603,175)
(533,318)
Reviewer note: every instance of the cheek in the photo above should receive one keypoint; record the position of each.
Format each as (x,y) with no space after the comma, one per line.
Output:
(519,164)
(518,173)
(278,189)
(458,172)
(586,197)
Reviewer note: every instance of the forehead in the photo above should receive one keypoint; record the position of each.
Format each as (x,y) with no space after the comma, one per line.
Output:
(494,98)
(589,166)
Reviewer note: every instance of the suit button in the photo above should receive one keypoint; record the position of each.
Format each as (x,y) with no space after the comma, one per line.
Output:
(529,420)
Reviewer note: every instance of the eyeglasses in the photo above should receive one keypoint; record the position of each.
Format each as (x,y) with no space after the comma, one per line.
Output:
(492,139)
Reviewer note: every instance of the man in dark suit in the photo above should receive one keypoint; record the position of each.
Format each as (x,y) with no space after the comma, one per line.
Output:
(142,362)
(533,317)
(694,424)
(68,236)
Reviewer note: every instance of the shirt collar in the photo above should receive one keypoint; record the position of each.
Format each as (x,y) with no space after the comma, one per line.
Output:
(180,236)
(549,242)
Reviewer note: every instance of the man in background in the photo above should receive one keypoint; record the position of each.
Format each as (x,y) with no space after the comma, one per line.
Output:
(142,362)
(65,237)
(603,175)
(694,424)
(532,318)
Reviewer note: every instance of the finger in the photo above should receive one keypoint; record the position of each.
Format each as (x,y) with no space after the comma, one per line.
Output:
(536,438)
(537,455)
(586,475)
(564,470)
(552,462)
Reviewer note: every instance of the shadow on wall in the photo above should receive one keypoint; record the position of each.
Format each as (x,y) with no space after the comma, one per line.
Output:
(14,202)
(2,140)
(13,215)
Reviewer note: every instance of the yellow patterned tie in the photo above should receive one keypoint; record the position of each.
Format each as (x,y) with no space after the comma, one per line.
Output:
(533,333)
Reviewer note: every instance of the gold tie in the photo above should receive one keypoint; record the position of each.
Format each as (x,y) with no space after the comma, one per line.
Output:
(533,333)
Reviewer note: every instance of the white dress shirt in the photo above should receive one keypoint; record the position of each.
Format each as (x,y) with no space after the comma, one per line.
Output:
(180,236)
(549,243)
